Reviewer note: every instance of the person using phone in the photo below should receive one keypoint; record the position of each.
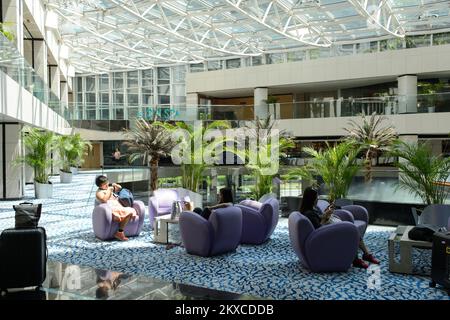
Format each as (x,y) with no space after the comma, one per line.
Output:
(121,214)
(225,200)
(309,209)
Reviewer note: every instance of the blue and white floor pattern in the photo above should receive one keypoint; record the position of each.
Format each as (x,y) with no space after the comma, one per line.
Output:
(271,270)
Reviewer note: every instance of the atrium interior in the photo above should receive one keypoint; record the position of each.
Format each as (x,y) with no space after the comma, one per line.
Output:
(225,149)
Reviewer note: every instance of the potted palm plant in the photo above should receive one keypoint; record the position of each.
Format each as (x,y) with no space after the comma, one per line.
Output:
(192,170)
(193,165)
(71,150)
(336,165)
(422,173)
(39,145)
(77,152)
(149,141)
(263,129)
(64,146)
(372,138)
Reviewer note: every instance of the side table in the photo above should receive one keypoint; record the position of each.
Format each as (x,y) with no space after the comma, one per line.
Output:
(161,226)
(400,236)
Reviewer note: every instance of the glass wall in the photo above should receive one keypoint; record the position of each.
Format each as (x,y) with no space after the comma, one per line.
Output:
(336,50)
(131,94)
(104,97)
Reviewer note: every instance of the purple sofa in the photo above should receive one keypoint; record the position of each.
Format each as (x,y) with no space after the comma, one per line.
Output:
(356,214)
(330,248)
(105,227)
(259,220)
(161,203)
(220,234)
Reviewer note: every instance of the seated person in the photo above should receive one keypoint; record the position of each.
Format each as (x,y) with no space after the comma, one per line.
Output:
(225,200)
(309,209)
(121,214)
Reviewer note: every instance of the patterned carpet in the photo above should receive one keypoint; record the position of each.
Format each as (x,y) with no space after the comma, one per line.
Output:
(271,270)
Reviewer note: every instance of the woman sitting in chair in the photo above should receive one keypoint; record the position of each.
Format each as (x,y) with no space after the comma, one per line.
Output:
(309,209)
(225,200)
(121,214)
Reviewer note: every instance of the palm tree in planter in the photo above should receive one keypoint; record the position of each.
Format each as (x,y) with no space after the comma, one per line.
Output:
(263,130)
(372,138)
(78,151)
(72,150)
(422,173)
(149,142)
(336,165)
(193,170)
(39,145)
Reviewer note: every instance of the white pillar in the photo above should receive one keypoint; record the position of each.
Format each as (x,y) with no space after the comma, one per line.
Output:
(260,96)
(13,15)
(55,80)
(407,92)
(11,182)
(64,89)
(40,59)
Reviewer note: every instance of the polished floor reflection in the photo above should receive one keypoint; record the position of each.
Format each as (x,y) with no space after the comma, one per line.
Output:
(72,282)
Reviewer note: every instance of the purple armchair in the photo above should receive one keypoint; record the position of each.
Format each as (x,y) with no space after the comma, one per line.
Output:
(220,234)
(355,214)
(161,203)
(330,248)
(105,227)
(259,220)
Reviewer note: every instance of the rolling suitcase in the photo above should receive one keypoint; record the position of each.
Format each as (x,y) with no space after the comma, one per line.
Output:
(440,260)
(23,258)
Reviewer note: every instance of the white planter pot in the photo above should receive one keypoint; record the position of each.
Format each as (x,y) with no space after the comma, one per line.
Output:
(43,190)
(431,109)
(65,177)
(74,170)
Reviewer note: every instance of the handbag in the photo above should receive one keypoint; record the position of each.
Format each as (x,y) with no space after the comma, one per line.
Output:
(27,214)
(125,197)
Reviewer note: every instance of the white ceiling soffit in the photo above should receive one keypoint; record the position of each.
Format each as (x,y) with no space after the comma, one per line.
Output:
(107,35)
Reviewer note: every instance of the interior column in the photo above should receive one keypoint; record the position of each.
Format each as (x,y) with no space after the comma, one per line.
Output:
(260,96)
(407,94)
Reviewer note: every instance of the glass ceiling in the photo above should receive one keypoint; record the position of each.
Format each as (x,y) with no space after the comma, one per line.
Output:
(107,35)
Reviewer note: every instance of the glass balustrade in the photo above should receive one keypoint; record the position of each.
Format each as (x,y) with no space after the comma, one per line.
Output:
(13,64)
(317,108)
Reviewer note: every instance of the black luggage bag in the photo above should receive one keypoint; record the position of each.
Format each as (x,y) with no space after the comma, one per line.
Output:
(440,260)
(23,258)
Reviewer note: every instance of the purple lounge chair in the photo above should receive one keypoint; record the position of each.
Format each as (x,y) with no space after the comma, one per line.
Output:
(105,227)
(356,214)
(220,234)
(259,220)
(330,248)
(161,203)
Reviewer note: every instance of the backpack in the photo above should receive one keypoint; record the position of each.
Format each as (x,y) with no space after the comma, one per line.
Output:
(421,233)
(125,197)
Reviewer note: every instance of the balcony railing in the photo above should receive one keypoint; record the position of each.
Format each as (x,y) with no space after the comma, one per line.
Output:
(102,117)
(15,66)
